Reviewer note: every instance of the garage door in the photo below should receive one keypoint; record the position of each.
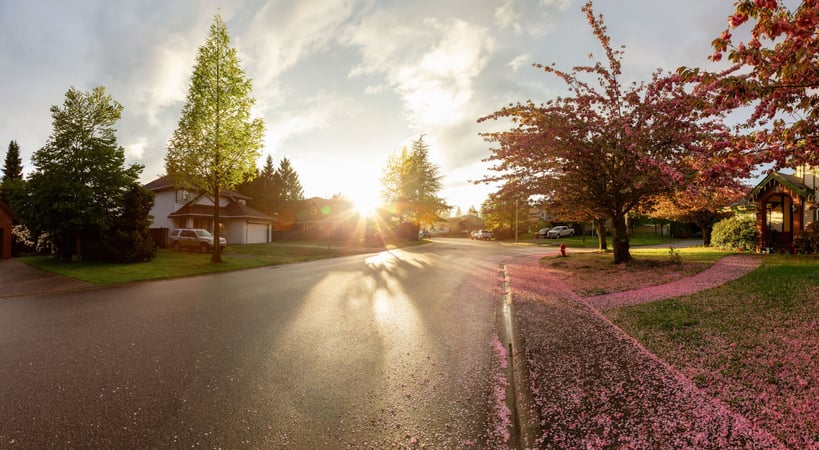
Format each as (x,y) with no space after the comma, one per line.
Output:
(256,233)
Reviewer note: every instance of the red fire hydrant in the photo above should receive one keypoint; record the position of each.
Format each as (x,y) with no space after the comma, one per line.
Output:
(562,249)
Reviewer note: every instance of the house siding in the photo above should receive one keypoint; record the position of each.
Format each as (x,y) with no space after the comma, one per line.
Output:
(5,232)
(164,202)
(190,211)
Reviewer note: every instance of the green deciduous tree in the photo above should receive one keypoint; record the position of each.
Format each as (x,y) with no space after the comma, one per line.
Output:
(411,186)
(80,178)
(499,209)
(217,141)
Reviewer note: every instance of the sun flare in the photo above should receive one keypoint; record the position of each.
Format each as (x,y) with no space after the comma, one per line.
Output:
(366,204)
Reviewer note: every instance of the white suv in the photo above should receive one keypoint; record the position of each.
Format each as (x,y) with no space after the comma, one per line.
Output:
(559,232)
(483,235)
(193,238)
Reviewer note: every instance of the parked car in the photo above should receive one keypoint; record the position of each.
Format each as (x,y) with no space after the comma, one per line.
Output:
(193,239)
(541,233)
(483,235)
(559,232)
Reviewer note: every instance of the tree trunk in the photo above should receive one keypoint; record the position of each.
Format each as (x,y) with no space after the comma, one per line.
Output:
(216,251)
(600,229)
(77,249)
(706,233)
(620,239)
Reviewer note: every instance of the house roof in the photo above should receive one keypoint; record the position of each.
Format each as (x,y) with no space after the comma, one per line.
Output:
(166,182)
(232,211)
(162,183)
(791,182)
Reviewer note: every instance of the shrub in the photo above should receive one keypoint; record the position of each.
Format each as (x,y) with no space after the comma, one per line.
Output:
(735,233)
(808,240)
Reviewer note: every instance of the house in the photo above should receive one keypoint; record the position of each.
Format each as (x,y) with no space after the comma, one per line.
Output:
(321,218)
(5,230)
(785,205)
(178,208)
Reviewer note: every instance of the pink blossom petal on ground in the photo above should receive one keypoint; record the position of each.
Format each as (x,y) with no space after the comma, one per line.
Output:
(596,387)
(724,270)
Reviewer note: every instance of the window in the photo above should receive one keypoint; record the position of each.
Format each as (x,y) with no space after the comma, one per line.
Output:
(780,216)
(202,223)
(183,196)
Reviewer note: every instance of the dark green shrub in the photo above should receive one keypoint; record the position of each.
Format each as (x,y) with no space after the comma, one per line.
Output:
(735,233)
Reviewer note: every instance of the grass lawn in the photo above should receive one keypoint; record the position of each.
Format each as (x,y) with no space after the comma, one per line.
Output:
(170,264)
(594,273)
(753,343)
(591,241)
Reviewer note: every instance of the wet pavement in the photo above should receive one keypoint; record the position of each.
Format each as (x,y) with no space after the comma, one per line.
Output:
(18,279)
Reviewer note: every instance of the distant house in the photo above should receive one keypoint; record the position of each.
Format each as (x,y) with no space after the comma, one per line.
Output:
(321,218)
(5,230)
(785,205)
(178,208)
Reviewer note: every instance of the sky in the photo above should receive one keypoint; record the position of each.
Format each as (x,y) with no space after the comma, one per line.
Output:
(340,84)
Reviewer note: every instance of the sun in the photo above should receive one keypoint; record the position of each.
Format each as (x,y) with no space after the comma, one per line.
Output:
(366,203)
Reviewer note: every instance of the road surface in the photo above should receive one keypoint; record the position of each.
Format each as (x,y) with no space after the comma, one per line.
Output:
(381,350)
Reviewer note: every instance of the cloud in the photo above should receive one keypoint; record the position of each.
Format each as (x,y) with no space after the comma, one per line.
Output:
(314,113)
(520,61)
(283,33)
(136,150)
(431,66)
(531,18)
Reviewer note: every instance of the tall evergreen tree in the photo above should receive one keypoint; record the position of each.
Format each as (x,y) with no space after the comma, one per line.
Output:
(290,185)
(261,189)
(267,201)
(411,185)
(217,141)
(13,167)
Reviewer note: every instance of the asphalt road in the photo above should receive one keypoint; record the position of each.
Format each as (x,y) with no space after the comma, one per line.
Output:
(383,350)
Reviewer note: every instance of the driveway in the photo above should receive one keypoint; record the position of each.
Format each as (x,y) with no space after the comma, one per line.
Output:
(18,279)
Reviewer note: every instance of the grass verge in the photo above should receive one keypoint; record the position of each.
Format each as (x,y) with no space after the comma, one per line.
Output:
(170,264)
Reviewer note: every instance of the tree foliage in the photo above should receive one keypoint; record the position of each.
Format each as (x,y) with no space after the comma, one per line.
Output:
(12,172)
(264,196)
(411,186)
(272,188)
(128,240)
(605,149)
(79,176)
(775,71)
(13,166)
(287,182)
(499,209)
(217,141)
(700,204)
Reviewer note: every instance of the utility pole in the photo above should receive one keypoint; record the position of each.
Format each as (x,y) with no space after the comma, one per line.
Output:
(516,221)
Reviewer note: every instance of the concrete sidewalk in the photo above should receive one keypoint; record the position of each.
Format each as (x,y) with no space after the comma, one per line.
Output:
(18,279)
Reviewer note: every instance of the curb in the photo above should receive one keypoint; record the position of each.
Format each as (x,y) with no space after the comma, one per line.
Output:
(526,428)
